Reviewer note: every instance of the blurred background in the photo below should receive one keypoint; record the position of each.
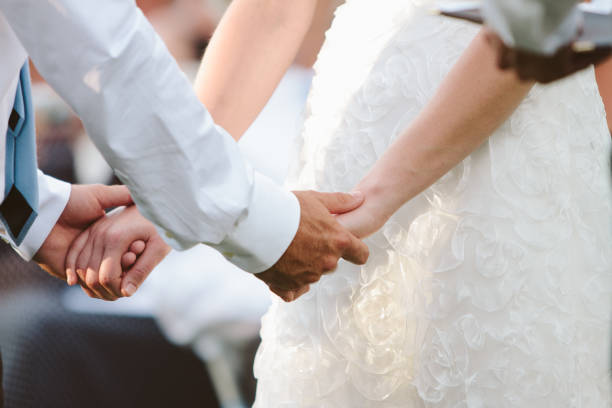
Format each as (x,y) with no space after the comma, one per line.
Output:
(188,337)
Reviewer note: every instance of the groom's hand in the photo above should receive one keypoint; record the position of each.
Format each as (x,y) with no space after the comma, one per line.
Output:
(318,245)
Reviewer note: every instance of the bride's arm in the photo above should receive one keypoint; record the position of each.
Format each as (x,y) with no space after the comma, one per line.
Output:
(472,101)
(604,81)
(254,45)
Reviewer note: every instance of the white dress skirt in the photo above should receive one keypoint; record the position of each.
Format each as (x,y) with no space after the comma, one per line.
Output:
(490,289)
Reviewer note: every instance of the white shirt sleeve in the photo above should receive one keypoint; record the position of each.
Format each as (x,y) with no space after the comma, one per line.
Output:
(185,173)
(53,196)
(540,26)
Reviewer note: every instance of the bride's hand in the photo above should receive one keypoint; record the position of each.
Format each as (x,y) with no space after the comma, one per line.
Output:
(367,219)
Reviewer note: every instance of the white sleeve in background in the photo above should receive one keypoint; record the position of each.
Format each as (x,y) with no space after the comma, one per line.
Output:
(186,174)
(53,196)
(540,26)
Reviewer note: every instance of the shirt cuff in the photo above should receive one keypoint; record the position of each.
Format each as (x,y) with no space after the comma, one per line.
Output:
(530,26)
(53,196)
(266,230)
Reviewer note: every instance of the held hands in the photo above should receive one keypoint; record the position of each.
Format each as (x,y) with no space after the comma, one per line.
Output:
(113,257)
(318,245)
(134,247)
(545,68)
(367,219)
(85,205)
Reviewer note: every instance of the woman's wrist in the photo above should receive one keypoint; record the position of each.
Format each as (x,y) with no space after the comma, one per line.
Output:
(379,197)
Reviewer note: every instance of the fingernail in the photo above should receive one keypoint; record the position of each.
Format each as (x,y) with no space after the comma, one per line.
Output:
(357,194)
(130,289)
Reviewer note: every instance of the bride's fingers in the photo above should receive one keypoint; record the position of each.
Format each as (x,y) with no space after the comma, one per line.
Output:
(94,280)
(138,247)
(85,254)
(155,251)
(128,259)
(75,250)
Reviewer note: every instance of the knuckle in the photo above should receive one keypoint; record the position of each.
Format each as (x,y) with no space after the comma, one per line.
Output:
(343,241)
(329,263)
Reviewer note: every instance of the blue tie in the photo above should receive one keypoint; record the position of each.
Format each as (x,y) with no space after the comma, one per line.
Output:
(20,206)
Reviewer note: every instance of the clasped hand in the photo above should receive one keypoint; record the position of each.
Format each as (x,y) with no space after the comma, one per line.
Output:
(110,255)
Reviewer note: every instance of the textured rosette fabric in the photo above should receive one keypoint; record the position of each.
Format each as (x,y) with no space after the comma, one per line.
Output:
(490,289)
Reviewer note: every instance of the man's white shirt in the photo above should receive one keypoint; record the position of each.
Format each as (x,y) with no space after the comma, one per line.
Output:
(185,173)
(52,193)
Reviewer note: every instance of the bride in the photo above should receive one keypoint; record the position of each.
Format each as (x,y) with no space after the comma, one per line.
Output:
(488,214)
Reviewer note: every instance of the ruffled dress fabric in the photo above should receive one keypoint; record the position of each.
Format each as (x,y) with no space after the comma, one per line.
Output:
(492,288)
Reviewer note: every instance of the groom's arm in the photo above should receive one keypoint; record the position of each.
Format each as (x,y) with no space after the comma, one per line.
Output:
(185,173)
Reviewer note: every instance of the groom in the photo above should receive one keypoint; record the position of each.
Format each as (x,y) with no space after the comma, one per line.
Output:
(534,38)
(185,173)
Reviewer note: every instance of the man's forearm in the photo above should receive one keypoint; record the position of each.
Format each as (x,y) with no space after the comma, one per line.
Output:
(254,45)
(185,173)
(534,25)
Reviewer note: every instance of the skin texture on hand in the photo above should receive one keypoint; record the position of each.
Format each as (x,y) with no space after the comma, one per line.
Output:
(545,68)
(121,240)
(318,245)
(87,203)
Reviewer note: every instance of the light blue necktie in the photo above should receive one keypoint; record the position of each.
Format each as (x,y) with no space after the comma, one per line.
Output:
(20,206)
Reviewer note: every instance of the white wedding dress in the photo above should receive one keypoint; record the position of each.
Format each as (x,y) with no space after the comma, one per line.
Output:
(490,289)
